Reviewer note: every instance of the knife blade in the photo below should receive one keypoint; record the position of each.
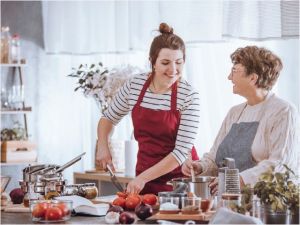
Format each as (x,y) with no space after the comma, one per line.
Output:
(114,179)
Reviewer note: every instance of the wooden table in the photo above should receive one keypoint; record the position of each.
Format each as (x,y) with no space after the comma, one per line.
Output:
(102,181)
(24,218)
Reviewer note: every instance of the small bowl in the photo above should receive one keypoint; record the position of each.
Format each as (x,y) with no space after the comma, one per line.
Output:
(206,205)
(50,211)
(191,205)
(169,205)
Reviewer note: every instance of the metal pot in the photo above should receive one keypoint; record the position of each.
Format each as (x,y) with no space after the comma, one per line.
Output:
(199,187)
(268,216)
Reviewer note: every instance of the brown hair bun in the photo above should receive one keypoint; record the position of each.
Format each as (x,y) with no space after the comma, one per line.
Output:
(165,29)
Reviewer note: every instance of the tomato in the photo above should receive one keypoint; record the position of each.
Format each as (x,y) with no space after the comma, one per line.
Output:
(64,208)
(40,209)
(120,202)
(132,202)
(122,194)
(150,199)
(54,213)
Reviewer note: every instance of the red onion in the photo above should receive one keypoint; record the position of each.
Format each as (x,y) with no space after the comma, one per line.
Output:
(126,218)
(143,211)
(115,208)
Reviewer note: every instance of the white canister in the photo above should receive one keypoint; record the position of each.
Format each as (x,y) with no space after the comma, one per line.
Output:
(131,150)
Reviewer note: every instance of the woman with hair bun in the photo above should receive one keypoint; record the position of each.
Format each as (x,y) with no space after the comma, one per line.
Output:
(165,115)
(259,133)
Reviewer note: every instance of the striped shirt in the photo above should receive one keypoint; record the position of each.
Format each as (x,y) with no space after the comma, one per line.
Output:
(187,104)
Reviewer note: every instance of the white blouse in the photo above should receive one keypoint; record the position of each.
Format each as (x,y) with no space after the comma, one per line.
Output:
(276,141)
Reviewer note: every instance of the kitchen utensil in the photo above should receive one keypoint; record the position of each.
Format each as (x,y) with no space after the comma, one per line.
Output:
(4,182)
(70,163)
(114,179)
(227,164)
(45,177)
(200,187)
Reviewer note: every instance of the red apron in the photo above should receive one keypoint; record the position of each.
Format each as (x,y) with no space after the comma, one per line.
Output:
(155,132)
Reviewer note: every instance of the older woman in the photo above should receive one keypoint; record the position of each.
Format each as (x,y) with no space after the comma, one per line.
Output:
(260,132)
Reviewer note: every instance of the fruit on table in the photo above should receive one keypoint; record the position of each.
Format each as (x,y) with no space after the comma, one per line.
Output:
(122,194)
(126,218)
(120,202)
(143,211)
(64,208)
(115,208)
(54,213)
(39,210)
(132,201)
(17,195)
(150,199)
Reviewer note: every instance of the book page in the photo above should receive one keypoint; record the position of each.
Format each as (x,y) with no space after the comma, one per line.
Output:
(85,206)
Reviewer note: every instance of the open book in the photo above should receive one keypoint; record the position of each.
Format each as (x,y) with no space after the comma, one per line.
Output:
(84,206)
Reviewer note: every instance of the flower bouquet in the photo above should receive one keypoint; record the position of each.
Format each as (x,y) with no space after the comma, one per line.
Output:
(102,84)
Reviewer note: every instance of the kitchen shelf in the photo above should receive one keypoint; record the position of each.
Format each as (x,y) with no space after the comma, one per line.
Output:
(14,65)
(14,111)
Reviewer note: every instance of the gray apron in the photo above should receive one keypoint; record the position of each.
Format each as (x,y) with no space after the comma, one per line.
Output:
(238,142)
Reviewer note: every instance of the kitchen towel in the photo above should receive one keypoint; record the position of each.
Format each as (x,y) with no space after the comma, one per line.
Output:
(131,149)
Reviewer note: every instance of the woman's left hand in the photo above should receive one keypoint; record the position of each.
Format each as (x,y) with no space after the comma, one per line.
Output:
(136,185)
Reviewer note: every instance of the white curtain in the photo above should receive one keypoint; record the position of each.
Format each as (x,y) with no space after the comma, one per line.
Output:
(85,27)
(90,32)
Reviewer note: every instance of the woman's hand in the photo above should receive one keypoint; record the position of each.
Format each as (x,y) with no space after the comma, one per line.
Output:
(188,164)
(136,185)
(103,157)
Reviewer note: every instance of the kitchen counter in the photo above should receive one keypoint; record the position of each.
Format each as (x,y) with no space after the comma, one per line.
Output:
(24,218)
(102,180)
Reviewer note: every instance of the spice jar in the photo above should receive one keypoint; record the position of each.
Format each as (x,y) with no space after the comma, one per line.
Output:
(88,190)
(71,189)
(231,201)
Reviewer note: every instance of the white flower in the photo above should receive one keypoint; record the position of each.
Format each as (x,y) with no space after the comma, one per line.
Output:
(98,82)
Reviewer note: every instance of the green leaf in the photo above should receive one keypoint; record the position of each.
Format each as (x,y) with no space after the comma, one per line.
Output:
(92,66)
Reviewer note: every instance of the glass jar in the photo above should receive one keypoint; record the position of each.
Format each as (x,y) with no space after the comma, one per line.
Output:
(88,190)
(231,201)
(30,195)
(71,189)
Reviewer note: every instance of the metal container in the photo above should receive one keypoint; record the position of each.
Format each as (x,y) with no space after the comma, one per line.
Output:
(46,177)
(200,187)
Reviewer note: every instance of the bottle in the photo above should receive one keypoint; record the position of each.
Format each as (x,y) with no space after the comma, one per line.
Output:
(5,44)
(15,49)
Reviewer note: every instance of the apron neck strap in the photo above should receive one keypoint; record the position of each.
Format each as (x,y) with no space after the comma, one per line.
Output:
(143,91)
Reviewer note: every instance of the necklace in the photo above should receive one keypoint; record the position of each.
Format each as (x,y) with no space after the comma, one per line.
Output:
(159,91)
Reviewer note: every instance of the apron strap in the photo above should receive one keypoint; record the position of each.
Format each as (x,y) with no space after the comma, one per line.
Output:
(143,91)
(174,97)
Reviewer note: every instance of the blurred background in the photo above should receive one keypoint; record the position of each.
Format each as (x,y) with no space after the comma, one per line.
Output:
(56,36)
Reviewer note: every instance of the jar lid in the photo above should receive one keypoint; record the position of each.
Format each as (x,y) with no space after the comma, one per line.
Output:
(231,196)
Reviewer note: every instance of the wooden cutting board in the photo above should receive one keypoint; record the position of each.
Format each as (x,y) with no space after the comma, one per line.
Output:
(16,208)
(179,216)
(104,199)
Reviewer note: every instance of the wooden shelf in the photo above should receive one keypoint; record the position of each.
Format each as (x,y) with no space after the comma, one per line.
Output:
(13,65)
(13,111)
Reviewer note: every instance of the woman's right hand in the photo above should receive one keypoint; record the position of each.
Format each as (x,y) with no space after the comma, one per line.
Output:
(103,157)
(188,164)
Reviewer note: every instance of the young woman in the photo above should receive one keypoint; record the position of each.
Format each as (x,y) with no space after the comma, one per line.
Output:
(165,115)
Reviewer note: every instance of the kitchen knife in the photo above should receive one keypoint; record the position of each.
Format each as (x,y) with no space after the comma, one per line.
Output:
(114,179)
